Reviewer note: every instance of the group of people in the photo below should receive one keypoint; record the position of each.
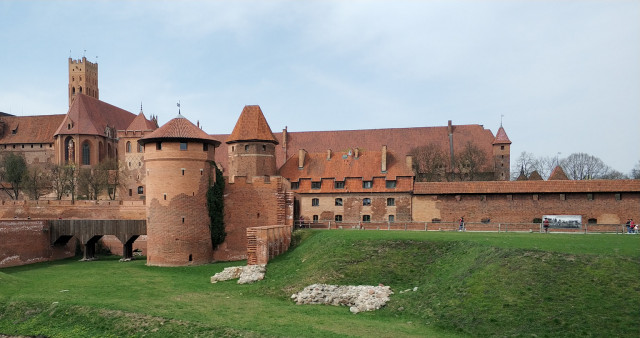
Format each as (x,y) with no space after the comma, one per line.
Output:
(632,227)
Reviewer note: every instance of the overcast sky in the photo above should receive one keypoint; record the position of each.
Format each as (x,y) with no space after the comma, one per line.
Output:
(565,74)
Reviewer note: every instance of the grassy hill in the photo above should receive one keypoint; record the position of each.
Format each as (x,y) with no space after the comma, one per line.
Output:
(469,284)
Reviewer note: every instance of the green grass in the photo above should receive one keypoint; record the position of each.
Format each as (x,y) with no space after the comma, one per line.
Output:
(469,284)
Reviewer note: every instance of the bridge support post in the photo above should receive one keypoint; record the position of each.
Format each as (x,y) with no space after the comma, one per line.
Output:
(127,248)
(90,248)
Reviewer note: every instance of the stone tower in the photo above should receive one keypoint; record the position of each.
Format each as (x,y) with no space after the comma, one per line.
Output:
(178,159)
(83,79)
(251,145)
(502,155)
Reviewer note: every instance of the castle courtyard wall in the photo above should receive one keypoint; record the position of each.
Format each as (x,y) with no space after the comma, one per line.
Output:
(27,241)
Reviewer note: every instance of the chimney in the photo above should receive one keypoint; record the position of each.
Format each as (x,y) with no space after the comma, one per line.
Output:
(409,162)
(301,155)
(284,141)
(384,159)
(356,152)
(451,154)
(328,154)
(449,128)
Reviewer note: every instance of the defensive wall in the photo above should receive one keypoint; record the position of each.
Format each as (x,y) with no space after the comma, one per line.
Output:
(597,201)
(28,241)
(259,201)
(264,243)
(65,209)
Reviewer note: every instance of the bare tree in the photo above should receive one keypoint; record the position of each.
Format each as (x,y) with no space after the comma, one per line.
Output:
(614,175)
(429,162)
(61,179)
(37,181)
(470,162)
(582,166)
(635,172)
(114,174)
(525,165)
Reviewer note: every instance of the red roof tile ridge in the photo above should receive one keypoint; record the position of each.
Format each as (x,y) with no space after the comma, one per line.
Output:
(179,128)
(501,137)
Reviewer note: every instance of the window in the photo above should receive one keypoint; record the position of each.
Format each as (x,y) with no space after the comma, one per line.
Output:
(390,184)
(366,201)
(338,202)
(159,146)
(246,148)
(295,185)
(501,147)
(182,171)
(391,202)
(367,184)
(316,185)
(264,147)
(339,184)
(86,154)
(205,147)
(128,146)
(338,218)
(130,192)
(366,218)
(315,218)
(618,196)
(590,197)
(140,190)
(592,221)
(183,145)
(315,202)
(392,218)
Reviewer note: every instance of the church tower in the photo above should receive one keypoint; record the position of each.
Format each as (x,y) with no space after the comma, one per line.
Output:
(83,79)
(251,145)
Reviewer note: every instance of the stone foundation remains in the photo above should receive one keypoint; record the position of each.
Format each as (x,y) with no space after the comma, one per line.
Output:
(358,298)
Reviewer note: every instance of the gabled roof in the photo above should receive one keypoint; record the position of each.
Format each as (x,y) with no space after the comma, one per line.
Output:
(90,116)
(179,129)
(535,176)
(526,187)
(251,126)
(558,174)
(400,140)
(342,165)
(29,129)
(501,137)
(140,122)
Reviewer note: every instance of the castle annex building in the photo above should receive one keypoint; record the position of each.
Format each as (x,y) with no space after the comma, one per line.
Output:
(345,176)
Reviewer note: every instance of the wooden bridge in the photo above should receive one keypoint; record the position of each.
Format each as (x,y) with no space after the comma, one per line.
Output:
(89,233)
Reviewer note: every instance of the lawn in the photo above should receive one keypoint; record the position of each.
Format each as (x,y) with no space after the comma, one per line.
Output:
(469,284)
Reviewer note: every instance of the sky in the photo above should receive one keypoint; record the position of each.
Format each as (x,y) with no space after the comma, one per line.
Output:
(561,76)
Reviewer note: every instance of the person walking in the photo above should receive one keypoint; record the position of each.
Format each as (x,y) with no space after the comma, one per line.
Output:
(545,225)
(461,227)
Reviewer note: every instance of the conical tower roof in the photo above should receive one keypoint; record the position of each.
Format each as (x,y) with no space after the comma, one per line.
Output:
(140,122)
(251,127)
(558,174)
(179,129)
(501,137)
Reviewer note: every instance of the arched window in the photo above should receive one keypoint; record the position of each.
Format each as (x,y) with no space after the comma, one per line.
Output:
(246,147)
(86,153)
(73,90)
(69,150)
(140,148)
(128,146)
(80,89)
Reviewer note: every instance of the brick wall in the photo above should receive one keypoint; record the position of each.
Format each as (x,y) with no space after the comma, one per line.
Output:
(260,201)
(264,243)
(523,208)
(352,208)
(27,241)
(54,209)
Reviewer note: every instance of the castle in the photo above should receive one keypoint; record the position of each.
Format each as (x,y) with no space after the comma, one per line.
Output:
(343,177)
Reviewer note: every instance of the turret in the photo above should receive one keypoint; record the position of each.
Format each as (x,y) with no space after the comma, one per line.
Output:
(501,155)
(251,145)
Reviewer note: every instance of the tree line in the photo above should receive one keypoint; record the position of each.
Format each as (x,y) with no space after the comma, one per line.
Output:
(38,179)
(577,166)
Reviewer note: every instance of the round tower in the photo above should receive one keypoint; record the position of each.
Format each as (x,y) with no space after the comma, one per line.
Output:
(251,145)
(178,158)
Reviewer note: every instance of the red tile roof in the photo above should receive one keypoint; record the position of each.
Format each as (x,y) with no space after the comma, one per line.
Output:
(398,140)
(251,126)
(179,128)
(29,129)
(90,116)
(558,174)
(501,137)
(342,165)
(526,187)
(140,122)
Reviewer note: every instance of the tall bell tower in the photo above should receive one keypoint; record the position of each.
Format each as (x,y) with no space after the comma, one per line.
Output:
(83,79)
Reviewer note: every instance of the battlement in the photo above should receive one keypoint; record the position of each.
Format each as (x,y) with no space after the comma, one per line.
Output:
(83,61)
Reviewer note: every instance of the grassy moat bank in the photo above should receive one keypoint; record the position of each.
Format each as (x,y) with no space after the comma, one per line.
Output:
(469,284)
